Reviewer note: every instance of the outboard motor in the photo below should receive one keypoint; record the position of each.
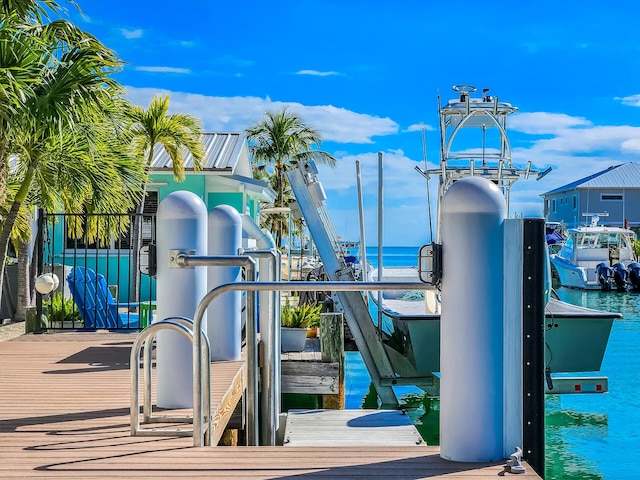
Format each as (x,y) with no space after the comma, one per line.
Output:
(620,276)
(605,276)
(634,276)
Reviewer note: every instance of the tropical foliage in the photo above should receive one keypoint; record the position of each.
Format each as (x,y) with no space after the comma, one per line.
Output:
(60,123)
(279,142)
(63,310)
(303,316)
(179,134)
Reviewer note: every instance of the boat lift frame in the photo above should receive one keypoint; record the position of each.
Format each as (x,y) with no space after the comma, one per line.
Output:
(309,195)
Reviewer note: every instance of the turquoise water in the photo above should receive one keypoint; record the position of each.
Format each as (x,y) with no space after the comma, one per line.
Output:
(589,436)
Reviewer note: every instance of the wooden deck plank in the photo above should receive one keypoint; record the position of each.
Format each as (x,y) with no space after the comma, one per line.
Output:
(350,428)
(64,413)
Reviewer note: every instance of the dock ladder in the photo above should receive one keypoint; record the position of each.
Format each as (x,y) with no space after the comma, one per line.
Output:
(144,344)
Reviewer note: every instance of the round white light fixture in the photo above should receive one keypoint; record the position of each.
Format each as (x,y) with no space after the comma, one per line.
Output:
(47,283)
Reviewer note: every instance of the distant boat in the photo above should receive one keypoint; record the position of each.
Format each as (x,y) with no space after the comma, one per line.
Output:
(598,257)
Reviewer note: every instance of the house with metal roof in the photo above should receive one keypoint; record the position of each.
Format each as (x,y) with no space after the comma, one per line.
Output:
(225,179)
(614,191)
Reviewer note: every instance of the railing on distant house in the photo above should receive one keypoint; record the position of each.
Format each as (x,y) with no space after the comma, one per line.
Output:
(63,244)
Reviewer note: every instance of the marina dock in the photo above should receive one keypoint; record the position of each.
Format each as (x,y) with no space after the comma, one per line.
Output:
(64,413)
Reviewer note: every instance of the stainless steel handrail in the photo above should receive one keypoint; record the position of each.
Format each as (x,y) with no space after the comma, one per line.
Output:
(204,389)
(145,340)
(270,340)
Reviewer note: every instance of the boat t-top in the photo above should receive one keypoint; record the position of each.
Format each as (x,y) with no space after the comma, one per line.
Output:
(463,154)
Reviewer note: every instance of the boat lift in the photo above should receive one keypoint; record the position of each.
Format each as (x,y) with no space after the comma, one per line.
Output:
(383,364)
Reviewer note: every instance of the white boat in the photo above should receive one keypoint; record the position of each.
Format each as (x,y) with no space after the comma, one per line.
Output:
(595,256)
(576,337)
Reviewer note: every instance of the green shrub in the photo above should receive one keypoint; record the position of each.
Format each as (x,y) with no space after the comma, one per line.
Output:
(61,309)
(302,316)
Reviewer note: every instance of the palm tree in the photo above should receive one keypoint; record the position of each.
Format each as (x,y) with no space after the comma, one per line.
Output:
(179,134)
(54,123)
(31,9)
(20,65)
(279,142)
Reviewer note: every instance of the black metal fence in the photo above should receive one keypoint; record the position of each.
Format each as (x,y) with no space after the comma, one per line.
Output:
(93,259)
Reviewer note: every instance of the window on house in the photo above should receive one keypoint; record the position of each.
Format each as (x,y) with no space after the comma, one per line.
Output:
(611,197)
(553,205)
(575,202)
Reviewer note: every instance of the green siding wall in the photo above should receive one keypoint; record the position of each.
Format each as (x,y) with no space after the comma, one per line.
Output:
(225,198)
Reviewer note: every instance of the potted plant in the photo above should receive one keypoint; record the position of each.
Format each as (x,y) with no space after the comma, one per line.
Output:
(294,322)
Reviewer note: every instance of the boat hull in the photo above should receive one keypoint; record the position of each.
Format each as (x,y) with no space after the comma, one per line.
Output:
(574,276)
(575,337)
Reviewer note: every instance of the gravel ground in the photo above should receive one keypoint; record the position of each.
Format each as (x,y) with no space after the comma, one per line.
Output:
(11,330)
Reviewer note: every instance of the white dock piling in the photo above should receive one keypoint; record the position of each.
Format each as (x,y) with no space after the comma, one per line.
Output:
(224,326)
(182,225)
(471,388)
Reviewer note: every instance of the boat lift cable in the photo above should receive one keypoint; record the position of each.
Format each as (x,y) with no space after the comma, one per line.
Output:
(426,169)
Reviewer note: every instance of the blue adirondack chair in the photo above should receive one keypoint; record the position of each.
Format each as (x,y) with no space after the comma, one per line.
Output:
(95,303)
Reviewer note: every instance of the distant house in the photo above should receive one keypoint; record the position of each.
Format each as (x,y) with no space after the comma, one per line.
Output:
(225,179)
(615,191)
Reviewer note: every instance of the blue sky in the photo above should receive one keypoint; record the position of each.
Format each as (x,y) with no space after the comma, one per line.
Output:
(367,73)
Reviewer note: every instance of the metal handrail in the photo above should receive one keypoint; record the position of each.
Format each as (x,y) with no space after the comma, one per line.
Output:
(145,340)
(270,339)
(203,390)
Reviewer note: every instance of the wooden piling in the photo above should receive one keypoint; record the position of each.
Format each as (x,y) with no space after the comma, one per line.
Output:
(332,350)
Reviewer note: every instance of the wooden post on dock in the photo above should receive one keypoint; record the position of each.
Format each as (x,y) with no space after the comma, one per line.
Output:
(332,348)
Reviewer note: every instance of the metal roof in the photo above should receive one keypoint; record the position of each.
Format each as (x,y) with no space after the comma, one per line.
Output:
(625,175)
(222,152)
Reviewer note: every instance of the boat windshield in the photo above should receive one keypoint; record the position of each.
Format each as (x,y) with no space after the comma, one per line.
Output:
(601,240)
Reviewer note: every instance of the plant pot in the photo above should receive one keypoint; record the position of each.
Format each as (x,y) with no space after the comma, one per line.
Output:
(293,339)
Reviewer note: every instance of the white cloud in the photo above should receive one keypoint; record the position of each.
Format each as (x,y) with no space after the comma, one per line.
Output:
(404,184)
(632,100)
(406,218)
(606,139)
(631,146)
(417,127)
(238,113)
(131,34)
(316,73)
(160,69)
(545,123)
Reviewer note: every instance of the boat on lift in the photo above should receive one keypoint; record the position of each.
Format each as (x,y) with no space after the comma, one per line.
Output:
(404,348)
(576,337)
(597,256)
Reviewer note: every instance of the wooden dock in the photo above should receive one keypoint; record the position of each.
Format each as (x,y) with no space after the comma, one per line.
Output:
(64,413)
(350,428)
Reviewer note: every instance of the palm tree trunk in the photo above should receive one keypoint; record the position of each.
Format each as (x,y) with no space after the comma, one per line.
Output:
(10,220)
(4,171)
(24,282)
